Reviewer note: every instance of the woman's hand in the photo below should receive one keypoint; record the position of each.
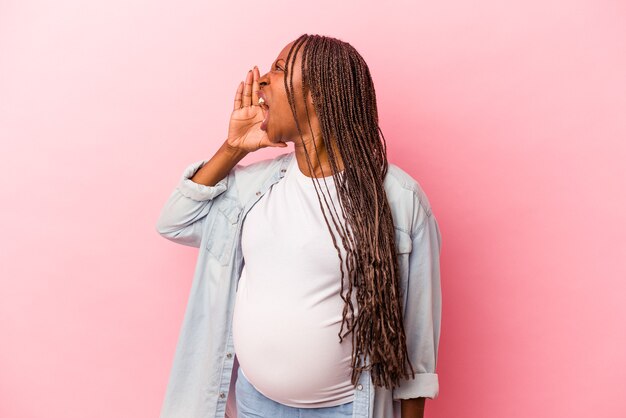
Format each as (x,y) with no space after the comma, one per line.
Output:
(244,130)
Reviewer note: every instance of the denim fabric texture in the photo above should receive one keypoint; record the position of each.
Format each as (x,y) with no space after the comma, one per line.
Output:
(203,375)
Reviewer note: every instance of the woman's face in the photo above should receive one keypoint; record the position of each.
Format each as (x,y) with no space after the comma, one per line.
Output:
(281,126)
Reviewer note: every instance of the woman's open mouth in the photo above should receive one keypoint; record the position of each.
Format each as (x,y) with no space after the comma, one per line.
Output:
(264,108)
(266,112)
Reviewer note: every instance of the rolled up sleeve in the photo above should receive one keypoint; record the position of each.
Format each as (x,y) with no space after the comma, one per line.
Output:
(422,315)
(182,217)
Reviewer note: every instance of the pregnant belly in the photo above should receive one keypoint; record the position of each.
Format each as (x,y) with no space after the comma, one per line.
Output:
(291,352)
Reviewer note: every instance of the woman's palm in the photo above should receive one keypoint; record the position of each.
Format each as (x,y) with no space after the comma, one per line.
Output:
(244,130)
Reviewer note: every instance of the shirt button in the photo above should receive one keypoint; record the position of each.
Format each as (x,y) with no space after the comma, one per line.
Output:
(258,193)
(222,394)
(283,170)
(360,387)
(228,355)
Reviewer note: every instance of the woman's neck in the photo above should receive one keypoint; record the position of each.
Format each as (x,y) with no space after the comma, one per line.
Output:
(319,160)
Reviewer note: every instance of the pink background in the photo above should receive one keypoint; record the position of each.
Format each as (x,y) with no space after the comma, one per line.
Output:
(512,116)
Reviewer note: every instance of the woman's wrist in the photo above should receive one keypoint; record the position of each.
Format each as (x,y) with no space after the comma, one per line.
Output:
(236,152)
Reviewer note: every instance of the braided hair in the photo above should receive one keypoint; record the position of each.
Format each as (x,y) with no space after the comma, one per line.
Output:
(344,100)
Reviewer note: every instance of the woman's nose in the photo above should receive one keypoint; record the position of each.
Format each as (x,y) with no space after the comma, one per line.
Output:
(263,81)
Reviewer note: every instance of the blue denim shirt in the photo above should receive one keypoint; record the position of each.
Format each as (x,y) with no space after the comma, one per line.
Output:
(204,370)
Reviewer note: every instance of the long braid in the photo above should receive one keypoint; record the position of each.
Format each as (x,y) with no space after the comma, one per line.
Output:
(345,103)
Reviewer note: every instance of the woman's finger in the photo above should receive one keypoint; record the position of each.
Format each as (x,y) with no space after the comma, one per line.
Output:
(255,85)
(237,104)
(247,90)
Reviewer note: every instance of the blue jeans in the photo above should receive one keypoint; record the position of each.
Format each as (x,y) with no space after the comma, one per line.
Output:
(253,404)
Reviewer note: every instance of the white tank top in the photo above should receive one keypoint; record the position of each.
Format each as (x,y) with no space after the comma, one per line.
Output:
(288,308)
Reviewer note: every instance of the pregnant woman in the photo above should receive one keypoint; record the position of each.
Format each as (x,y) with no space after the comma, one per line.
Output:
(321,265)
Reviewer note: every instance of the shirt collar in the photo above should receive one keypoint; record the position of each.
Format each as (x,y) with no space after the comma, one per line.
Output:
(284,163)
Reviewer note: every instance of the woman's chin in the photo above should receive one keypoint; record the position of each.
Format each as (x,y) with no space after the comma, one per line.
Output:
(276,139)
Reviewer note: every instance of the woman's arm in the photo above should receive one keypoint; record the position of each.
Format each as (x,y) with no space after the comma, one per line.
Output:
(412,408)
(219,165)
(422,314)
(183,214)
